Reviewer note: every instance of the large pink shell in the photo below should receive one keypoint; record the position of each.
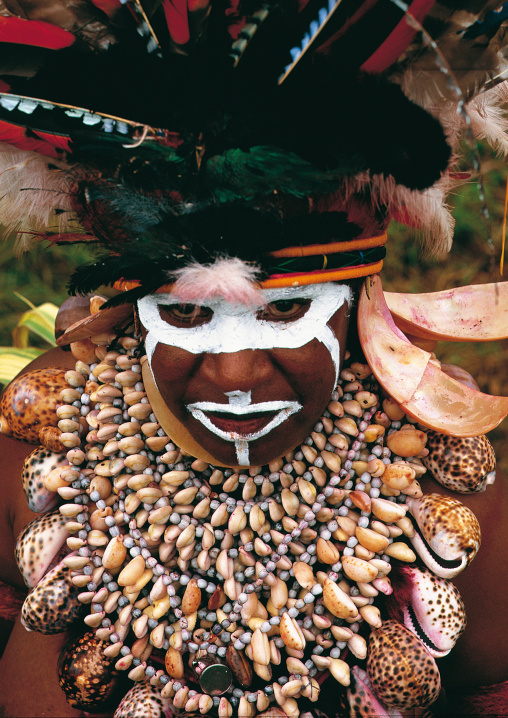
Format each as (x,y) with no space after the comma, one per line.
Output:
(402,672)
(449,533)
(407,373)
(434,612)
(475,313)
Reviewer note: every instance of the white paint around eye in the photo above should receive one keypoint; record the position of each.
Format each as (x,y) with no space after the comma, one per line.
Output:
(236,327)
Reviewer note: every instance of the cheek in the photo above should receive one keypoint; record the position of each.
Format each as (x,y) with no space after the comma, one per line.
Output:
(172,369)
(309,371)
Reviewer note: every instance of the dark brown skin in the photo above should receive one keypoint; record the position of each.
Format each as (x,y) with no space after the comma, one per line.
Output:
(28,666)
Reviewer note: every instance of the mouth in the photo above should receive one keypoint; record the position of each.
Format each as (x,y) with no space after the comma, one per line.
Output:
(240,425)
(243,423)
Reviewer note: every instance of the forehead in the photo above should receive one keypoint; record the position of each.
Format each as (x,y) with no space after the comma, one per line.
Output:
(234,327)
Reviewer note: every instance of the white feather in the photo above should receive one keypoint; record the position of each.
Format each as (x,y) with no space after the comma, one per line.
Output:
(32,188)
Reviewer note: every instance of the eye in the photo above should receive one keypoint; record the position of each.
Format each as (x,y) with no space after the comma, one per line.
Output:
(185,315)
(284,310)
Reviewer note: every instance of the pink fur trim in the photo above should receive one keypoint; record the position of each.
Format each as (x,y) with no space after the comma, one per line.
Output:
(230,278)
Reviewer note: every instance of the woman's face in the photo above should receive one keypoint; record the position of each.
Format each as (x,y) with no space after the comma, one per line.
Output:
(247,383)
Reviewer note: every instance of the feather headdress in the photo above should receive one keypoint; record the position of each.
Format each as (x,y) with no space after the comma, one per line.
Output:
(188,120)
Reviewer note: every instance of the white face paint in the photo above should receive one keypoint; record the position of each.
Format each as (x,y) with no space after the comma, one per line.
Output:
(240,405)
(235,327)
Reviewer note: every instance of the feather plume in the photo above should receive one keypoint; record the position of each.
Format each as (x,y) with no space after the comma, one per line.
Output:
(425,211)
(35,195)
(227,277)
(489,120)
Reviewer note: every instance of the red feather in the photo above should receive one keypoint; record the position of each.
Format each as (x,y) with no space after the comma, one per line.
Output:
(175,12)
(49,145)
(19,31)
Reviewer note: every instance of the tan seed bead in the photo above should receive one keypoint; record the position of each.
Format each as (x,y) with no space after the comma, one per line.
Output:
(400,551)
(371,540)
(156,443)
(106,432)
(290,502)
(70,441)
(336,408)
(372,432)
(140,411)
(131,444)
(407,442)
(237,520)
(185,496)
(132,572)
(139,481)
(352,407)
(96,538)
(137,462)
(129,428)
(150,428)
(340,671)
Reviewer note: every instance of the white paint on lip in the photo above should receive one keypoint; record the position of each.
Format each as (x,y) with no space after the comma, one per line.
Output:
(244,409)
(284,410)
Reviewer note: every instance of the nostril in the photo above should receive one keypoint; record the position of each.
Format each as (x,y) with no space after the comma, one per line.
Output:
(237,371)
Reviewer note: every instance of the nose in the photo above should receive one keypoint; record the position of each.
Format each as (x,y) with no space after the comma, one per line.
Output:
(244,370)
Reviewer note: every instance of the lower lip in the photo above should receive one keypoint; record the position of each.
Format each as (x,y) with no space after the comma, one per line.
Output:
(243,427)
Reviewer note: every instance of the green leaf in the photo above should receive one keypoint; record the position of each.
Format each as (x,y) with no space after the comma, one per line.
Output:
(41,321)
(13,360)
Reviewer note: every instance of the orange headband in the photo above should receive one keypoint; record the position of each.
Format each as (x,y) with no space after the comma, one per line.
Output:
(300,279)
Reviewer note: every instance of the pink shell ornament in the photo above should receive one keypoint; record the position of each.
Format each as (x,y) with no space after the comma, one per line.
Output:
(407,373)
(476,313)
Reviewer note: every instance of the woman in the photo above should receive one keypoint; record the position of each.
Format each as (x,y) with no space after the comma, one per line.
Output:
(237,497)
